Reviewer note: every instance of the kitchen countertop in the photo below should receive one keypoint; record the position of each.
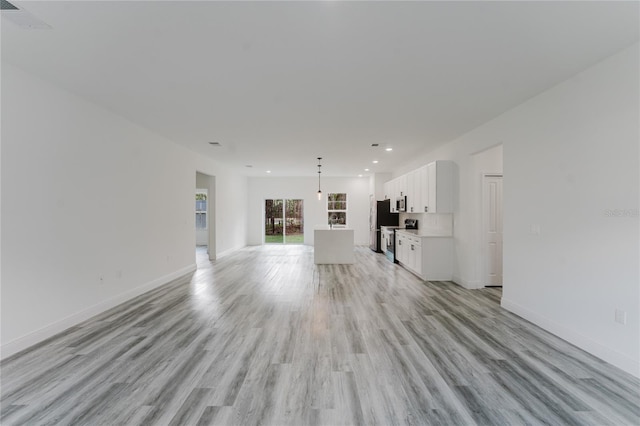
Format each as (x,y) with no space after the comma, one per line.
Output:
(328,228)
(426,233)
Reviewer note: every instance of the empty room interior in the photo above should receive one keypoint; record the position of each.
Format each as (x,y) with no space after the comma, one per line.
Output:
(320,213)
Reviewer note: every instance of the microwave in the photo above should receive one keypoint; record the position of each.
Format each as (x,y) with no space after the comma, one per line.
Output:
(401,204)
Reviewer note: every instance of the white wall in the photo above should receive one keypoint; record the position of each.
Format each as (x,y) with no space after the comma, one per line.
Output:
(315,212)
(577,159)
(570,158)
(230,203)
(70,168)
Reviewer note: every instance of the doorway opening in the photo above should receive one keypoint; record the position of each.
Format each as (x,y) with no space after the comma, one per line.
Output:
(283,221)
(205,215)
(202,229)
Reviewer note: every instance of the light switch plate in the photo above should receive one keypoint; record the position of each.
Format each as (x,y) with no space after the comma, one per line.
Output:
(621,317)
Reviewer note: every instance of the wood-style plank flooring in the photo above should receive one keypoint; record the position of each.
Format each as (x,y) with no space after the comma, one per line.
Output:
(263,336)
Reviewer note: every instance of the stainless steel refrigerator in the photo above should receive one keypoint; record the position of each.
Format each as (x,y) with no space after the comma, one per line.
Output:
(380,215)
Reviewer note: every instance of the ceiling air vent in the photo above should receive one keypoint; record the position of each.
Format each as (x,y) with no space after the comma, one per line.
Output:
(21,17)
(375,144)
(214,143)
(5,5)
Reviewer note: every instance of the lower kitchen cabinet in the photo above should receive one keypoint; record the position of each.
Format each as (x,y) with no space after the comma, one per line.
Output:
(430,258)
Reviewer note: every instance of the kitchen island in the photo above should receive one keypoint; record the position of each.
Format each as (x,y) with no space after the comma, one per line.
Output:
(332,245)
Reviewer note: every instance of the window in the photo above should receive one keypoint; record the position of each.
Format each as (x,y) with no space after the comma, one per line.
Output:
(337,209)
(201,210)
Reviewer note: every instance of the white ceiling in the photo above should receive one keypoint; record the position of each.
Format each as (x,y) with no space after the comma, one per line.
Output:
(281,83)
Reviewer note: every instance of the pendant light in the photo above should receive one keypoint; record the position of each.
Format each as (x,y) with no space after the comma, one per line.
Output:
(319,191)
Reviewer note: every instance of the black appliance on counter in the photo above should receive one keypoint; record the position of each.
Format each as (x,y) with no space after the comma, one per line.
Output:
(380,215)
(408,224)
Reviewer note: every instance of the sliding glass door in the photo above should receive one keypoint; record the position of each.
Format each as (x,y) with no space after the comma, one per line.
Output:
(283,222)
(293,222)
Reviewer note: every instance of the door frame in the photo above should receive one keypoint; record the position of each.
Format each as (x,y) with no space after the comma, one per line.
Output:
(483,240)
(211,211)
(206,229)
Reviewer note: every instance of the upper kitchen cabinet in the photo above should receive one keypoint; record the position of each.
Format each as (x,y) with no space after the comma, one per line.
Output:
(401,186)
(424,189)
(428,189)
(394,189)
(390,193)
(414,192)
(439,195)
(388,190)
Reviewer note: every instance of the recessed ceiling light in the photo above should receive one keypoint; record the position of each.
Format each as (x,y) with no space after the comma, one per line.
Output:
(388,149)
(268,171)
(366,170)
(359,175)
(375,161)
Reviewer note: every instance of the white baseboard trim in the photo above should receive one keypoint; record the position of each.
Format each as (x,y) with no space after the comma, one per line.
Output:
(30,339)
(228,252)
(470,285)
(630,365)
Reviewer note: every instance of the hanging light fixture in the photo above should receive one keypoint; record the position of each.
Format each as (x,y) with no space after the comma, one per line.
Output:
(319,191)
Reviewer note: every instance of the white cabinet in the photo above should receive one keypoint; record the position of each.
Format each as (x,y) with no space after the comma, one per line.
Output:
(401,247)
(410,191)
(390,193)
(397,188)
(430,258)
(401,185)
(387,190)
(410,252)
(437,258)
(428,189)
(391,188)
(415,255)
(424,189)
(440,187)
(414,192)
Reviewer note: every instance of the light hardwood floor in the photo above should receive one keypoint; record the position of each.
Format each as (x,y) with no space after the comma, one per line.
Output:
(263,336)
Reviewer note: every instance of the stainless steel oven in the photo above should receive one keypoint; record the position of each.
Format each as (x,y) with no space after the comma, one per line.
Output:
(389,242)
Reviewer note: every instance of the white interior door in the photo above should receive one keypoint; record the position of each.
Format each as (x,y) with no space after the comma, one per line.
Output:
(492,206)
